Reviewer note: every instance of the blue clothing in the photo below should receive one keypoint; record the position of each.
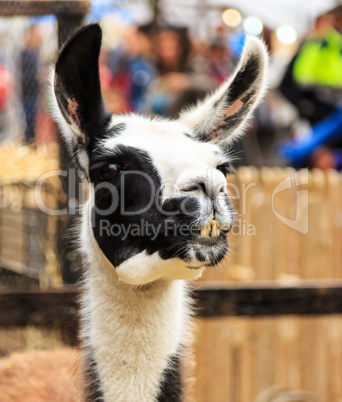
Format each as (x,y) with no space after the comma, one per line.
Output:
(30,112)
(327,132)
(142,75)
(138,73)
(29,64)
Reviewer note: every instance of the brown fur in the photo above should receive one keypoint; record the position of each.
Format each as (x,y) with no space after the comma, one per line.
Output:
(53,376)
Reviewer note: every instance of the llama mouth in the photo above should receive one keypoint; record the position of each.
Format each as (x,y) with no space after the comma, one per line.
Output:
(213,230)
(209,251)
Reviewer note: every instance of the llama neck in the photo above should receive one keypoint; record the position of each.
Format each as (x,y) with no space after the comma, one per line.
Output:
(133,336)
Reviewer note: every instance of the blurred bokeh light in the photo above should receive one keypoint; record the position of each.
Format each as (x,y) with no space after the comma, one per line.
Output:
(231,17)
(286,34)
(253,25)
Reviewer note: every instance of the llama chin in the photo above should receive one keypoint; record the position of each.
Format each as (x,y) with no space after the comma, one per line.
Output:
(158,214)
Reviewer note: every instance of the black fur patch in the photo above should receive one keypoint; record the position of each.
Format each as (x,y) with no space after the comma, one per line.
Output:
(171,386)
(77,81)
(92,379)
(244,79)
(104,132)
(200,256)
(203,252)
(247,97)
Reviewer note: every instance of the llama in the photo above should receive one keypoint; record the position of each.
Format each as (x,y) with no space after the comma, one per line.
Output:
(158,215)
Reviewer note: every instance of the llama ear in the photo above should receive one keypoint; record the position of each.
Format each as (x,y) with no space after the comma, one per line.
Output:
(79,107)
(223,115)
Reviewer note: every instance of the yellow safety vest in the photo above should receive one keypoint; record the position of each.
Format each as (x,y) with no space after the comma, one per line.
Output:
(319,61)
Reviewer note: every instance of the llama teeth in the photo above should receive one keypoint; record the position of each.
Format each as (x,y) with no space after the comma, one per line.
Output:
(205,230)
(216,229)
(211,230)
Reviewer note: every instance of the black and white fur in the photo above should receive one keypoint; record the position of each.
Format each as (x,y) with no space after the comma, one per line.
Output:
(136,310)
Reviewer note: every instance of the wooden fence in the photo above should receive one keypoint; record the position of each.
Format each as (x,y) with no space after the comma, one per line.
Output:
(237,357)
(285,237)
(271,313)
(288,226)
(28,236)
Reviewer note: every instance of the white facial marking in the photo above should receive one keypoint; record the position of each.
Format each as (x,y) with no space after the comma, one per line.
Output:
(172,152)
(143,268)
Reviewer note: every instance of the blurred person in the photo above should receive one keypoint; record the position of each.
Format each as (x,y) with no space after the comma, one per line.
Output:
(313,83)
(6,85)
(131,67)
(319,61)
(172,47)
(6,91)
(313,80)
(113,96)
(220,62)
(29,68)
(142,65)
(320,148)
(178,83)
(305,83)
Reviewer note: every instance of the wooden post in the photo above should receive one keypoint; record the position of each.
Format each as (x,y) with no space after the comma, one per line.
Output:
(68,24)
(155,9)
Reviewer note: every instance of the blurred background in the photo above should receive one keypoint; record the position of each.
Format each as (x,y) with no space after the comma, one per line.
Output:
(157,57)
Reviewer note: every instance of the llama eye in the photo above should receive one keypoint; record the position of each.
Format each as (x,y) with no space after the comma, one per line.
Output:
(225,169)
(108,171)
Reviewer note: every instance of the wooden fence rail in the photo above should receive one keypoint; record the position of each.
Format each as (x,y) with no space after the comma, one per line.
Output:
(59,306)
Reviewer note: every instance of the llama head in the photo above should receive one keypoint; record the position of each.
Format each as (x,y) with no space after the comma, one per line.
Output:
(158,195)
